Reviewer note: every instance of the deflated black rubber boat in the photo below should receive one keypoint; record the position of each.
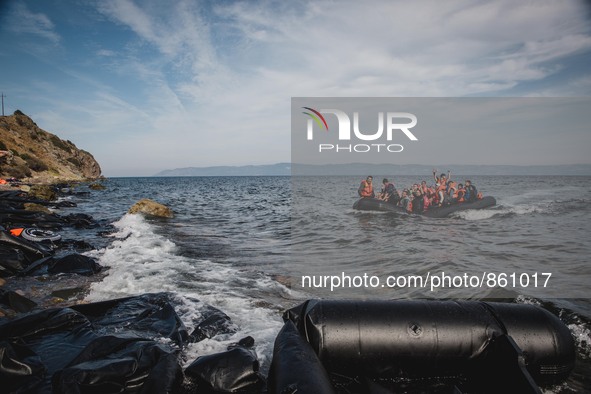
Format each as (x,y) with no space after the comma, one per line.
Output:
(127,345)
(419,346)
(373,204)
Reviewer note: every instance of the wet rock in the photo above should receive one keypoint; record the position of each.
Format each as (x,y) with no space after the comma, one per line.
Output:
(80,220)
(43,192)
(149,207)
(97,186)
(16,301)
(29,206)
(66,294)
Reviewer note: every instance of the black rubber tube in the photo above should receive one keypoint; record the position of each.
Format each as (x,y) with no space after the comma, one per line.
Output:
(431,338)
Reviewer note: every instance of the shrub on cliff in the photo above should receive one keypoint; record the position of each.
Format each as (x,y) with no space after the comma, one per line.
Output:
(36,164)
(75,161)
(18,172)
(58,143)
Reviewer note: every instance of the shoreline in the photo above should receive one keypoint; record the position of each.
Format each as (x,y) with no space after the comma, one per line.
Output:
(47,291)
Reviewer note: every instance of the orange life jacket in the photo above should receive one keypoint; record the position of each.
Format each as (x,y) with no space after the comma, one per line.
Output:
(453,189)
(16,231)
(426,202)
(367,189)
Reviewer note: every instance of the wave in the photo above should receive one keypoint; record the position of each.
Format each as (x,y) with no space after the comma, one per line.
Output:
(552,207)
(142,261)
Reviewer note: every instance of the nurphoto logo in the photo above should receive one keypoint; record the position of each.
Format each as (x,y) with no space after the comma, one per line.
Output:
(395,122)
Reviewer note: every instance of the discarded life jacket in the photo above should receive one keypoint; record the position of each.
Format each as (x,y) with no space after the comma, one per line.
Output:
(16,231)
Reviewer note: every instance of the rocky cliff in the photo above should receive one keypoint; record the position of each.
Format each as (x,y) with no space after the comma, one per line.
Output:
(31,154)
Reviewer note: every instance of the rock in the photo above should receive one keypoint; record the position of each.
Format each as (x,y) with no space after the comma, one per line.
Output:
(149,207)
(43,192)
(96,186)
(29,206)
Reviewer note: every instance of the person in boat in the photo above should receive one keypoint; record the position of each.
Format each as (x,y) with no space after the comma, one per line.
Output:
(424,187)
(441,179)
(405,201)
(427,198)
(451,193)
(459,197)
(366,188)
(441,185)
(389,192)
(470,192)
(418,203)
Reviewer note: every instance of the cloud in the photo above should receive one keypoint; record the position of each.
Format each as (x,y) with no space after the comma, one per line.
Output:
(206,83)
(418,49)
(350,48)
(22,21)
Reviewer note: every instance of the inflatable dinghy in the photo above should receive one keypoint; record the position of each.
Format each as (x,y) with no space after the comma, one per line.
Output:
(374,204)
(417,346)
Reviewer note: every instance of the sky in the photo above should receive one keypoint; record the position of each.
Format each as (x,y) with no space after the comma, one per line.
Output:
(152,85)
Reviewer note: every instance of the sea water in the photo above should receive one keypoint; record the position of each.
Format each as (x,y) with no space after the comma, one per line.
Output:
(241,244)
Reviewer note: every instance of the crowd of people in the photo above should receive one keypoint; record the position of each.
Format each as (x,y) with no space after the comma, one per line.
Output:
(420,197)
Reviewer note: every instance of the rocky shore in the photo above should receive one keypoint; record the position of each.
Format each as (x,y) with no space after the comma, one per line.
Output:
(55,344)
(51,340)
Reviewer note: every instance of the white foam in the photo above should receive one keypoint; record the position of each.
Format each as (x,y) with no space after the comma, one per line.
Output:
(582,336)
(473,214)
(139,261)
(501,210)
(142,261)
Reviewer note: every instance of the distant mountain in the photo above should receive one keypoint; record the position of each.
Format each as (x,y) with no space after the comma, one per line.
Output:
(362,169)
(420,169)
(251,170)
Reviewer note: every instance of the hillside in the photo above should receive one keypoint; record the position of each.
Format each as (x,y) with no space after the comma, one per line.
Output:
(31,154)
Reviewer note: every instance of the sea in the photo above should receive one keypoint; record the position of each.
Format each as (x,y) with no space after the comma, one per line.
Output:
(246,244)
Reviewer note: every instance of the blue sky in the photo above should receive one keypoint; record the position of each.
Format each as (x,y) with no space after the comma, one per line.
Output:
(153,85)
